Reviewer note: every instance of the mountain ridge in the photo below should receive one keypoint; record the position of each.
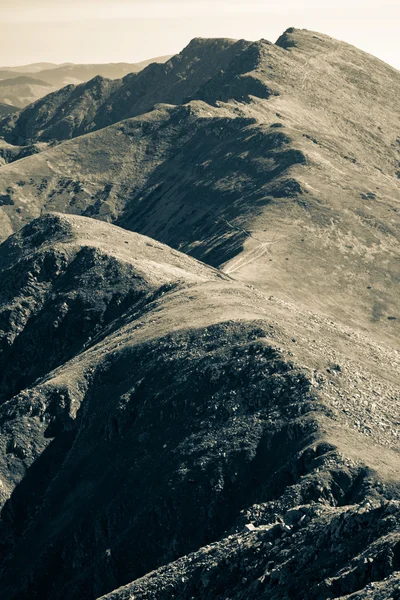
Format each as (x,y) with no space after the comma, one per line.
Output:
(6,109)
(199,328)
(176,83)
(58,76)
(294,179)
(238,388)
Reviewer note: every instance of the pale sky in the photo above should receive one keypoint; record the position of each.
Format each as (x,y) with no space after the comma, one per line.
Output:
(96,31)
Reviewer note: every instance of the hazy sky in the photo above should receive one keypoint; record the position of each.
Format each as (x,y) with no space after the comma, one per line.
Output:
(133,30)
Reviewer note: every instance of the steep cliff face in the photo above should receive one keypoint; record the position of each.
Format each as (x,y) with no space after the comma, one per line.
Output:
(164,406)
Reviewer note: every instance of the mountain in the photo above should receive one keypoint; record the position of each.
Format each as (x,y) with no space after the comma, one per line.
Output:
(33,67)
(64,114)
(293,179)
(199,330)
(63,74)
(58,76)
(23,90)
(21,80)
(25,87)
(75,74)
(9,75)
(7,109)
(156,410)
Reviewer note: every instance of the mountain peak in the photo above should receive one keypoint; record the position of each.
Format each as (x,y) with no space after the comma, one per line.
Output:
(285,40)
(206,48)
(99,79)
(306,39)
(198,42)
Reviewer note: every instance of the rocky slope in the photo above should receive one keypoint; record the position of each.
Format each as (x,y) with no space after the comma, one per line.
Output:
(156,409)
(64,114)
(282,165)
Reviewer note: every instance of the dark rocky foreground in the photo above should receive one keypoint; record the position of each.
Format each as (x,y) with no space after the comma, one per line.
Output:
(160,424)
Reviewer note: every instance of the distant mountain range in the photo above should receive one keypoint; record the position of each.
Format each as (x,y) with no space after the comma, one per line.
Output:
(34,67)
(23,90)
(43,78)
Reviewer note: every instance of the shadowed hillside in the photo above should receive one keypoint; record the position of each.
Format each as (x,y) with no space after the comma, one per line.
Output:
(136,355)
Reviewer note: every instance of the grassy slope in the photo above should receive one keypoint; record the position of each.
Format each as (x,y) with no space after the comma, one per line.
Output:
(143,355)
(280,191)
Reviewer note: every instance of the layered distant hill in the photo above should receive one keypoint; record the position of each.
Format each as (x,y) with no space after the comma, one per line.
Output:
(217,417)
(7,109)
(23,90)
(44,78)
(33,67)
